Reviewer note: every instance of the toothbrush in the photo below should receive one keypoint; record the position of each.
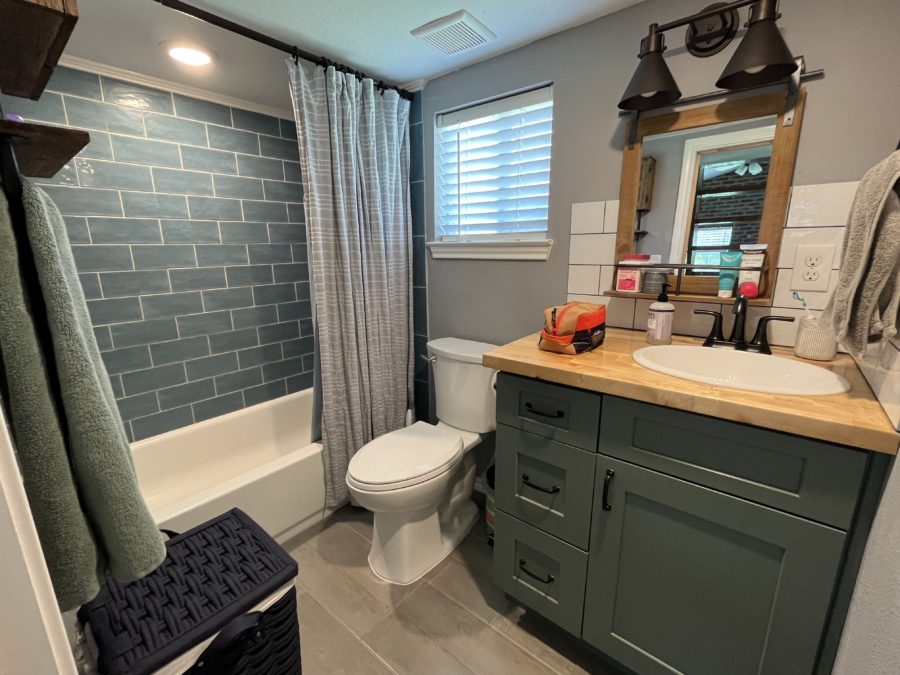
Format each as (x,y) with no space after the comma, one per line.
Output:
(799,298)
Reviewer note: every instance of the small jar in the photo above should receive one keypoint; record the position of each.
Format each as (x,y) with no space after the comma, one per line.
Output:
(628,276)
(652,280)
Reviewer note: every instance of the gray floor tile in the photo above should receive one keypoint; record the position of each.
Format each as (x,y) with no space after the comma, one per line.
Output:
(329,647)
(476,592)
(409,650)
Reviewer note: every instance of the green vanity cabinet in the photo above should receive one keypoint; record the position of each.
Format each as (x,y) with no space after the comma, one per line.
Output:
(675,542)
(685,579)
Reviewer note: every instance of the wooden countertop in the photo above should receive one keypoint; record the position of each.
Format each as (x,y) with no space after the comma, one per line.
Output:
(854,418)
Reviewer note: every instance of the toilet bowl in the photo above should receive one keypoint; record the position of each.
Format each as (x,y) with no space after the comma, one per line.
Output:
(418,480)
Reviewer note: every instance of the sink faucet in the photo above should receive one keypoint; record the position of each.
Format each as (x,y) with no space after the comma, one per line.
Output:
(759,343)
(739,309)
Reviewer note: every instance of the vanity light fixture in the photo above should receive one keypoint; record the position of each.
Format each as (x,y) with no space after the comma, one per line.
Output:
(189,54)
(761,58)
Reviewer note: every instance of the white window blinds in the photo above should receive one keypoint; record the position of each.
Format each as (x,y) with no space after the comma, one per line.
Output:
(493,168)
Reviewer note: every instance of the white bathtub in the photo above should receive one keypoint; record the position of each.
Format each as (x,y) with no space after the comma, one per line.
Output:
(259,459)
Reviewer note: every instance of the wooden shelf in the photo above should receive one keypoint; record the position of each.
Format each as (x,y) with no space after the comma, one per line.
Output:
(33,35)
(688,297)
(42,150)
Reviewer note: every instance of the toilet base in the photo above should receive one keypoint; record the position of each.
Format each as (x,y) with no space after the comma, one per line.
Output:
(405,547)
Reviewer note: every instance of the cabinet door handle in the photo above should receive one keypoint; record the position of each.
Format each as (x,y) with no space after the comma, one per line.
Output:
(540,413)
(550,491)
(610,474)
(549,579)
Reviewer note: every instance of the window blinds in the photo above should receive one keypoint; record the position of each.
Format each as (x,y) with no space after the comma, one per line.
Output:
(493,168)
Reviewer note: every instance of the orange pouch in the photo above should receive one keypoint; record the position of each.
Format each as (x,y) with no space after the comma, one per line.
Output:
(573,328)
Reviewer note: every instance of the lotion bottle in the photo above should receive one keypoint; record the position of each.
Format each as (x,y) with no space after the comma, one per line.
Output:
(659,319)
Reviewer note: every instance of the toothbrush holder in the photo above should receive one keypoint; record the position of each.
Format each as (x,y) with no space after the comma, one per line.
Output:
(814,341)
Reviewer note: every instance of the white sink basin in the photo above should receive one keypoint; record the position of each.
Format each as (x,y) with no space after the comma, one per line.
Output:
(741,370)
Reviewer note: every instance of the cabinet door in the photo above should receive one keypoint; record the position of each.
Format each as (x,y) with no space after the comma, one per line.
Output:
(684,579)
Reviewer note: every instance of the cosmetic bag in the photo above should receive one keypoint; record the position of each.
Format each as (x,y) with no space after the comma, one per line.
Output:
(223,602)
(573,328)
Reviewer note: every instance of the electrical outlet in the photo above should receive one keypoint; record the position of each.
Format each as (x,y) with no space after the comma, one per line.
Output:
(812,267)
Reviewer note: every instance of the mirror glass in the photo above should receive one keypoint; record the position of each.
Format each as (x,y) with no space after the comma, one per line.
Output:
(701,190)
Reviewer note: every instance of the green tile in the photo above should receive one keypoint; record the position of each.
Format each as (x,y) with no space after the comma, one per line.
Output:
(265,211)
(135,96)
(148,205)
(185,394)
(241,379)
(241,232)
(174,129)
(290,272)
(278,332)
(241,188)
(98,173)
(256,356)
(294,311)
(249,275)
(287,232)
(260,167)
(103,338)
(173,351)
(116,284)
(232,340)
(100,146)
(77,201)
(198,109)
(143,332)
(90,286)
(76,82)
(126,360)
(197,279)
(204,324)
(171,304)
(138,406)
(265,392)
(220,405)
(76,228)
(224,138)
(269,253)
(214,208)
(272,294)
(182,182)
(101,258)
(281,369)
(254,316)
(227,298)
(160,423)
(299,347)
(280,148)
(253,121)
(209,366)
(149,257)
(88,114)
(49,108)
(292,172)
(225,254)
(139,381)
(281,191)
(213,161)
(138,151)
(300,382)
(190,231)
(116,310)
(288,129)
(124,231)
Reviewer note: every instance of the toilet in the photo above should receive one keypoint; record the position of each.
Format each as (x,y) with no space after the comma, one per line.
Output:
(418,480)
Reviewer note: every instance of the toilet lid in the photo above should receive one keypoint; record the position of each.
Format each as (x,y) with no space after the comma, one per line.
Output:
(405,457)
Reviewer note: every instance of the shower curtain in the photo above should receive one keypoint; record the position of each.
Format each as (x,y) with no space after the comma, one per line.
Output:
(354,159)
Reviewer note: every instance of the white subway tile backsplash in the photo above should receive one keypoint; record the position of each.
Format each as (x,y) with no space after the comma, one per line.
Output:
(814,299)
(587,217)
(824,205)
(611,217)
(584,279)
(592,249)
(781,333)
(606,277)
(802,236)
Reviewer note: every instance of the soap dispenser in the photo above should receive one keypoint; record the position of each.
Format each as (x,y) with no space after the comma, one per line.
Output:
(659,319)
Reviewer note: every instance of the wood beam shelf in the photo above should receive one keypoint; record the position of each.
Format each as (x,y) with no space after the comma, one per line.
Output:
(42,150)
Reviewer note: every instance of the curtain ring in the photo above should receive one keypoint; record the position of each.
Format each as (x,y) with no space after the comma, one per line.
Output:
(295,54)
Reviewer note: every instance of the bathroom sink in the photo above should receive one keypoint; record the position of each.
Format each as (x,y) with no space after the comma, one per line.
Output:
(741,370)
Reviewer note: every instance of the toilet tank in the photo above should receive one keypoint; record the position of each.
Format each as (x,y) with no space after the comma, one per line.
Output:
(463,388)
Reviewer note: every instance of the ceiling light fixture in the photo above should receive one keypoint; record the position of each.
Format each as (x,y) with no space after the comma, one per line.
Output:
(189,54)
(762,57)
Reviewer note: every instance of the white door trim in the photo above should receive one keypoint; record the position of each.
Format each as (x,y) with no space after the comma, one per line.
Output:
(689,164)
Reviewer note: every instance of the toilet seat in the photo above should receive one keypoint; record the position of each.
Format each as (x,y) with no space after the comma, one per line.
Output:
(405,457)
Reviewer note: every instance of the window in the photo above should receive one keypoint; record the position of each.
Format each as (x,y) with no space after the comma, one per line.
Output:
(493,178)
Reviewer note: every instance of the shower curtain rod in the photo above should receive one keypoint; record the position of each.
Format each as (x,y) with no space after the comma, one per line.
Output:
(275,43)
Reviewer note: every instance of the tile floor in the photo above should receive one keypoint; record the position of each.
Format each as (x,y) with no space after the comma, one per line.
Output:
(452,621)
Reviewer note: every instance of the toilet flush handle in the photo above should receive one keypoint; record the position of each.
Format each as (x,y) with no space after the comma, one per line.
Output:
(430,359)
(494,382)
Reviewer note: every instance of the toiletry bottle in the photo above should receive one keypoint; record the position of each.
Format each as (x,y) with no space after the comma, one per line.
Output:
(659,319)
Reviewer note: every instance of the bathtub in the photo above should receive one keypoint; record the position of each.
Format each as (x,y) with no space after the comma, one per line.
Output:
(259,459)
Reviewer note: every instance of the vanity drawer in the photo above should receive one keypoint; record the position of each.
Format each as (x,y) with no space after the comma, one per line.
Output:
(567,415)
(541,571)
(545,483)
(808,478)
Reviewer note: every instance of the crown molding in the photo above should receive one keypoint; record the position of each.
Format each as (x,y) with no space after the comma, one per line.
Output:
(415,85)
(138,78)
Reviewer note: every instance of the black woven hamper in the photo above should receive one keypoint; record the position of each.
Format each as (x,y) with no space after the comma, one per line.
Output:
(226,579)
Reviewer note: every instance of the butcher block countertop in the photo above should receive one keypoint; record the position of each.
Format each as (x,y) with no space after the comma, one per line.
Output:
(854,418)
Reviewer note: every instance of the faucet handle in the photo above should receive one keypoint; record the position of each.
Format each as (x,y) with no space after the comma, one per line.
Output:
(715,334)
(760,341)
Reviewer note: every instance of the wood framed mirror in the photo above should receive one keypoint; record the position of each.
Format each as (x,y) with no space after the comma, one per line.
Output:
(720,176)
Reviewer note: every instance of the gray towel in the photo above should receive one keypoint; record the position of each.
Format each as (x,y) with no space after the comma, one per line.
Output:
(863,308)
(82,489)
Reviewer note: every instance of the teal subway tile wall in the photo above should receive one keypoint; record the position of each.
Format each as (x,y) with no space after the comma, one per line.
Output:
(186,221)
(420,310)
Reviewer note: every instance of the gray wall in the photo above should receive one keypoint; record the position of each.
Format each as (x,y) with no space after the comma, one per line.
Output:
(851,122)
(186,223)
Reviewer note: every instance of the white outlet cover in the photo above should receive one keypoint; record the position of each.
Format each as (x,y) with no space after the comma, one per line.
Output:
(815,276)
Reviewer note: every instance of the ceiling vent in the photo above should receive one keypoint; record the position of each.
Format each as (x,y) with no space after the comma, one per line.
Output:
(454,33)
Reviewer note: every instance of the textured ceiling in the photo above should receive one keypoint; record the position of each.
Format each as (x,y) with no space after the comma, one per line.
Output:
(370,35)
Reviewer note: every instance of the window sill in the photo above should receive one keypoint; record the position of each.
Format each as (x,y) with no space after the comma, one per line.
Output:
(519,249)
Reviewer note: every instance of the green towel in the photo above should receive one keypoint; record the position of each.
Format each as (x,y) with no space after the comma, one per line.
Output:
(82,490)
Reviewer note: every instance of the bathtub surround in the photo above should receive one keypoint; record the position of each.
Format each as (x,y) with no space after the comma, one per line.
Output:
(72,450)
(355,163)
(187,226)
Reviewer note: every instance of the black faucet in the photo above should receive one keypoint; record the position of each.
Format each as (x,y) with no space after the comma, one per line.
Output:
(760,341)
(739,309)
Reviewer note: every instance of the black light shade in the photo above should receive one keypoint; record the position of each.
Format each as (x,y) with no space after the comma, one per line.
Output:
(652,84)
(762,57)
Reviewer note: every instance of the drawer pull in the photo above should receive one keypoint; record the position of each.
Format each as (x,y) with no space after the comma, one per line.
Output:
(610,474)
(550,491)
(549,579)
(540,413)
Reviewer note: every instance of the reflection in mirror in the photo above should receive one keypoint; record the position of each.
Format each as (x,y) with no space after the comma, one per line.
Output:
(707,193)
